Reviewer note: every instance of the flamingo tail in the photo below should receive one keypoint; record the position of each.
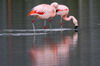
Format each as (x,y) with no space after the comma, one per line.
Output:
(32,12)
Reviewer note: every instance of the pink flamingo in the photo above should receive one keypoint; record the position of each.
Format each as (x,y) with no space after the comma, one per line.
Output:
(44,11)
(63,11)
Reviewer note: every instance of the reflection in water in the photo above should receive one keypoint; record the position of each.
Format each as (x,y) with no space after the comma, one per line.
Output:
(53,53)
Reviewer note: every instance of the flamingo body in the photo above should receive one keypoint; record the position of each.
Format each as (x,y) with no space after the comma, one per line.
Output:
(62,10)
(43,11)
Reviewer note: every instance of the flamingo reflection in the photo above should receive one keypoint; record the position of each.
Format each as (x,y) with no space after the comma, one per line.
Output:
(53,53)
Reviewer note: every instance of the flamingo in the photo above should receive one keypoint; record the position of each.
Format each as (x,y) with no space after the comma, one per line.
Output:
(63,11)
(43,11)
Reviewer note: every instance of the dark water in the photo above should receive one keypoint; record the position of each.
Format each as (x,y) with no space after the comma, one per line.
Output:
(20,47)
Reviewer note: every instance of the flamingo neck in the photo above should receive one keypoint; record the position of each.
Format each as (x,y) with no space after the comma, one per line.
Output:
(69,18)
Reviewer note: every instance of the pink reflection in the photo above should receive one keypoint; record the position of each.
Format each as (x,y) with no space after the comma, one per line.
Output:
(53,53)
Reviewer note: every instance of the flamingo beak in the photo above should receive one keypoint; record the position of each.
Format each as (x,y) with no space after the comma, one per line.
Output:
(32,12)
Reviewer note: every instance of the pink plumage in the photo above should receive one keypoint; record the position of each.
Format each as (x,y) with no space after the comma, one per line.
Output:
(43,11)
(63,11)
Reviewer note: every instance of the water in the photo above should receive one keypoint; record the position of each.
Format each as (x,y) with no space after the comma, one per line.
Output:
(38,50)
(20,46)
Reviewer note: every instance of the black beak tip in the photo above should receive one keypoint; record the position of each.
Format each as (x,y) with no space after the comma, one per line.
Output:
(76,27)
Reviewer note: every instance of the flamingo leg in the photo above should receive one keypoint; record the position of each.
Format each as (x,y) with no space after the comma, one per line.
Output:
(45,25)
(33,25)
(50,20)
(61,22)
(50,27)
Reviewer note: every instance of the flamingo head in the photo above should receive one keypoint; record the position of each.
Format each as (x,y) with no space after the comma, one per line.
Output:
(54,4)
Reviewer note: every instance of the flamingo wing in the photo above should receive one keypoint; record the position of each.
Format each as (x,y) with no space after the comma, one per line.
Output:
(43,11)
(62,10)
